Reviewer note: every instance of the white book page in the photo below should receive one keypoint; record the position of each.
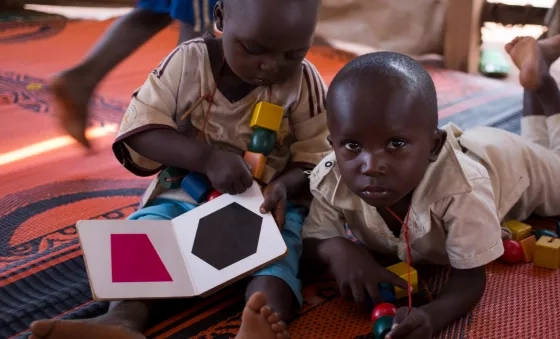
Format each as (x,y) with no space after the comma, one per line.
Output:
(95,237)
(266,245)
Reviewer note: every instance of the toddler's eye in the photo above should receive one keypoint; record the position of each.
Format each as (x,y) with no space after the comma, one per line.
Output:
(252,50)
(397,144)
(352,146)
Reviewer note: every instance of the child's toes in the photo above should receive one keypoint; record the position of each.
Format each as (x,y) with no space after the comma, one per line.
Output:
(279,326)
(266,312)
(273,318)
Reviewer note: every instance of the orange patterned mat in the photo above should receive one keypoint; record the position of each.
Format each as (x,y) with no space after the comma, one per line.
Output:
(47,184)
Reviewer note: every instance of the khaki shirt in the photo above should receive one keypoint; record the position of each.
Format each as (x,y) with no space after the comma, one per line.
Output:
(184,76)
(453,217)
(525,175)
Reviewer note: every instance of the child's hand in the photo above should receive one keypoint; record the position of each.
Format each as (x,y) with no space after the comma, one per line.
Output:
(417,324)
(228,172)
(275,197)
(357,273)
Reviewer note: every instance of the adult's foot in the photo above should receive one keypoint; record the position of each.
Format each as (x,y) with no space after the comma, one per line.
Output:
(528,55)
(71,99)
(260,321)
(66,329)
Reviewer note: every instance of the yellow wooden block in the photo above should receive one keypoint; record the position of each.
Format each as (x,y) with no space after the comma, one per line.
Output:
(267,115)
(519,230)
(401,269)
(547,253)
(528,246)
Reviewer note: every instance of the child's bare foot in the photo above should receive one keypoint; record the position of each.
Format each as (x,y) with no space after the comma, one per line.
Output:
(259,321)
(71,100)
(277,292)
(66,329)
(527,56)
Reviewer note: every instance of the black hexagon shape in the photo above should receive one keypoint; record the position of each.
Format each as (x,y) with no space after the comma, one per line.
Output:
(227,236)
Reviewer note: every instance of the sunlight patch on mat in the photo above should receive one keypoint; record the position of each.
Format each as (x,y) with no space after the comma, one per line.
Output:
(53,143)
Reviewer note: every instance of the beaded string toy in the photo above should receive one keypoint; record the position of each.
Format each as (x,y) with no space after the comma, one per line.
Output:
(382,314)
(265,123)
(408,250)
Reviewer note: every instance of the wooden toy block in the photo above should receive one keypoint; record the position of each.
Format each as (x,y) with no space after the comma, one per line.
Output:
(542,232)
(401,269)
(513,252)
(171,177)
(257,162)
(387,293)
(383,309)
(382,326)
(197,186)
(519,230)
(528,246)
(262,141)
(213,195)
(267,115)
(547,253)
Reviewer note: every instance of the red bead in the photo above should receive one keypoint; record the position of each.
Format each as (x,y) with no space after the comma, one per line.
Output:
(382,310)
(513,252)
(213,195)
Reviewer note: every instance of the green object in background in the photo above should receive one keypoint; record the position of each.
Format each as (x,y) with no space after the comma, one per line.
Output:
(494,64)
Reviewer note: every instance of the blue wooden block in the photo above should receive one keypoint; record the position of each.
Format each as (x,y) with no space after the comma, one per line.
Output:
(197,186)
(387,293)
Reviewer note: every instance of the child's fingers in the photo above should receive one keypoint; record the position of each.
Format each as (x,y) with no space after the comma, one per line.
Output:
(270,200)
(400,316)
(358,294)
(393,279)
(373,291)
(280,212)
(346,292)
(403,325)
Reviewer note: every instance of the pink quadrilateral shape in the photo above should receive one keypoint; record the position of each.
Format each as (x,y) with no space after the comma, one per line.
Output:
(134,259)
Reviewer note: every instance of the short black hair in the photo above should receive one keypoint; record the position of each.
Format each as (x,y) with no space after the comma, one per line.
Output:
(389,69)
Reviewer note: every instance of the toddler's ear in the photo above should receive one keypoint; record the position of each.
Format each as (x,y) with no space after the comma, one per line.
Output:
(439,138)
(219,15)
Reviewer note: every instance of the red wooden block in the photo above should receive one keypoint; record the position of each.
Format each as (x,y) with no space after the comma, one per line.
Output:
(382,310)
(213,195)
(513,252)
(134,259)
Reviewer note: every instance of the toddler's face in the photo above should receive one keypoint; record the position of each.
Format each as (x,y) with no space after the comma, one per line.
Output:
(382,144)
(265,41)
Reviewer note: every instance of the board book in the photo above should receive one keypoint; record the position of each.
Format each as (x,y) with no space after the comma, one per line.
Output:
(194,254)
